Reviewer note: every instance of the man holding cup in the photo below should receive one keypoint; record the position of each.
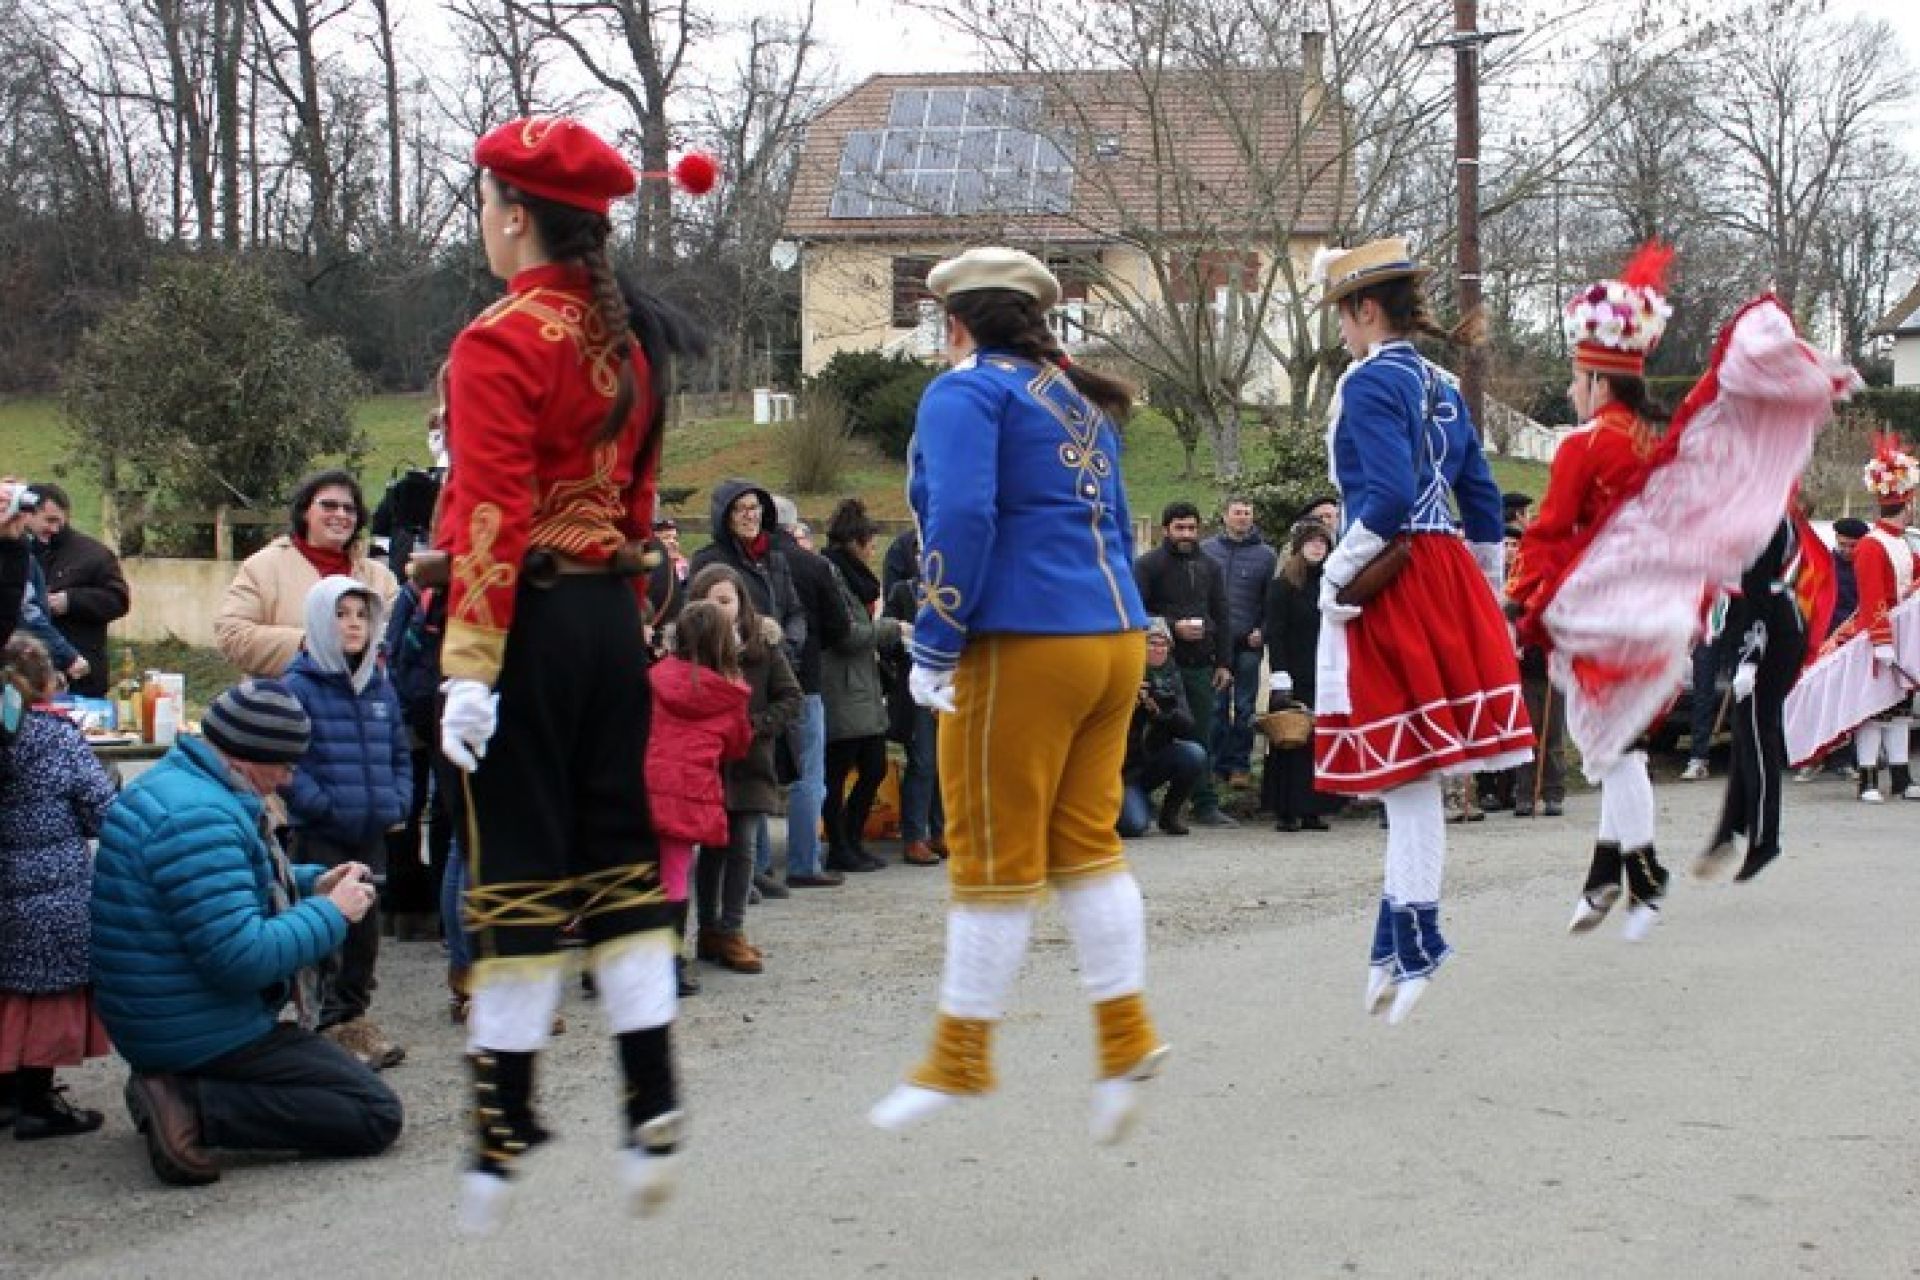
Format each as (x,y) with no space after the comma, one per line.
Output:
(1179,582)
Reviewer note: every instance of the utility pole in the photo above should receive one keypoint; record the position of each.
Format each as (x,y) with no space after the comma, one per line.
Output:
(1466,42)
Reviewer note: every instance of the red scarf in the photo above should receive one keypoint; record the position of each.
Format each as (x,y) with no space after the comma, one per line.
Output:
(757,549)
(325,563)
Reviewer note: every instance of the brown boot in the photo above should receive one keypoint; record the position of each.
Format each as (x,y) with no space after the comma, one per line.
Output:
(162,1112)
(731,950)
(363,1038)
(920,854)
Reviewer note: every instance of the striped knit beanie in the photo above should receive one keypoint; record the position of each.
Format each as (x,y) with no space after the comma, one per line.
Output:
(258,721)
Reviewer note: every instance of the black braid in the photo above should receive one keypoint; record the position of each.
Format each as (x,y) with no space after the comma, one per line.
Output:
(1012,321)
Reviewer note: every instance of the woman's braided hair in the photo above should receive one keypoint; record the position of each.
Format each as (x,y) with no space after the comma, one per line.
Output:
(579,236)
(1008,320)
(1406,312)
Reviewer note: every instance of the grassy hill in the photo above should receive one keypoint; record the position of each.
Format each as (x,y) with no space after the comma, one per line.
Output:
(34,443)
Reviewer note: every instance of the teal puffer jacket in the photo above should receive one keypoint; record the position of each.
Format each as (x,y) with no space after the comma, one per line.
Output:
(189,962)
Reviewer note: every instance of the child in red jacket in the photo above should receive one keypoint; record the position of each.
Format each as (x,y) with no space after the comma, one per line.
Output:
(699,722)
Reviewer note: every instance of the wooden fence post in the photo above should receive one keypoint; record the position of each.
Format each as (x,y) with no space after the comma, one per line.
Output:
(222,534)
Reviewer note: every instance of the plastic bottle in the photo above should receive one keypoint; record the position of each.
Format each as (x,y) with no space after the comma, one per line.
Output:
(166,720)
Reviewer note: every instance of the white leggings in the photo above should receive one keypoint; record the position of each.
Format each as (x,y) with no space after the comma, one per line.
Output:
(1416,842)
(1626,803)
(1871,737)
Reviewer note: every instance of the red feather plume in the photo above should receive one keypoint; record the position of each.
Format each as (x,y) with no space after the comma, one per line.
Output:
(1647,269)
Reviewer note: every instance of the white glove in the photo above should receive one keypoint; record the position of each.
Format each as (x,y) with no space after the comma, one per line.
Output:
(1492,559)
(472,714)
(1331,610)
(931,689)
(1743,676)
(1884,656)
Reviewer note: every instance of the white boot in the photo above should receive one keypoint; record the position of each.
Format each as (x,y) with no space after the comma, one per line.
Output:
(650,1169)
(1117,1102)
(1641,917)
(909,1105)
(483,1203)
(1379,987)
(1406,994)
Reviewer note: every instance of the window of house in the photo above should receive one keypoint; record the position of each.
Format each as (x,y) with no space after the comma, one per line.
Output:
(910,289)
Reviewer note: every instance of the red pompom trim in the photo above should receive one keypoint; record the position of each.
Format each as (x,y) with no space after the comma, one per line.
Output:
(696,173)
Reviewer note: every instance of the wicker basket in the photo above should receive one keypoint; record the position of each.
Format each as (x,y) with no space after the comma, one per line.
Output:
(1288,727)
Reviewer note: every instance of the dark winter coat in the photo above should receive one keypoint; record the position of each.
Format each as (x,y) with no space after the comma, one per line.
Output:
(753,785)
(1293,631)
(1156,727)
(1176,586)
(1246,567)
(770,578)
(356,779)
(189,961)
(903,602)
(97,596)
(13,584)
(413,638)
(820,601)
(36,618)
(851,684)
(699,723)
(53,797)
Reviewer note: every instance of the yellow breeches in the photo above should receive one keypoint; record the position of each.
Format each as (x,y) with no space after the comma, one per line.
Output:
(1030,761)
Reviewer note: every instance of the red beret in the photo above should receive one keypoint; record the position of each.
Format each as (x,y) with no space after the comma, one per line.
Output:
(556,159)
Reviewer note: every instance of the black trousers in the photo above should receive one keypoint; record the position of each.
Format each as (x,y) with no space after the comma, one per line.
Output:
(559,811)
(1759,755)
(292,1090)
(1547,709)
(347,978)
(845,811)
(722,876)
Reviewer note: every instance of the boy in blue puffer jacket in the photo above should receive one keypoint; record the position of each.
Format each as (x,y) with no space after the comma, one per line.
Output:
(354,783)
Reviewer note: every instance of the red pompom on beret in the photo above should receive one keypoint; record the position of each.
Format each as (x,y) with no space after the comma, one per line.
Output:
(556,159)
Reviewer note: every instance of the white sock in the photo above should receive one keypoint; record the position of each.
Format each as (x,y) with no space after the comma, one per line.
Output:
(1416,841)
(1626,802)
(1108,921)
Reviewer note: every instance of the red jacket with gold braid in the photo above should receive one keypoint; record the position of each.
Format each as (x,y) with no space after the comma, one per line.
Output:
(1594,470)
(529,384)
(1883,566)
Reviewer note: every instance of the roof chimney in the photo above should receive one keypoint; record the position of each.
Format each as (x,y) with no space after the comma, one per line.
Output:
(1313,58)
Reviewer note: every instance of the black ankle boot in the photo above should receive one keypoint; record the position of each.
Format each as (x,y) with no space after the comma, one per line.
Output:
(1900,780)
(1646,878)
(1870,782)
(646,1066)
(504,1124)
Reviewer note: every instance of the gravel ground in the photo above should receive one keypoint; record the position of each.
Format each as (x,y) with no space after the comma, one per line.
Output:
(1734,1097)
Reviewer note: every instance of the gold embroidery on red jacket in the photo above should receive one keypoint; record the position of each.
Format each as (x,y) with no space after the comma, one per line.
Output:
(561,317)
(581,517)
(477,572)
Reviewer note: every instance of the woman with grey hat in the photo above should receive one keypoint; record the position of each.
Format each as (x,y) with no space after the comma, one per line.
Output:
(1028,642)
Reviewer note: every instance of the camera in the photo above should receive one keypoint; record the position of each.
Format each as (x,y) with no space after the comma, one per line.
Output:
(23,501)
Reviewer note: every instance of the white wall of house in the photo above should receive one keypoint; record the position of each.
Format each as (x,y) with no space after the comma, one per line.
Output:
(1906,360)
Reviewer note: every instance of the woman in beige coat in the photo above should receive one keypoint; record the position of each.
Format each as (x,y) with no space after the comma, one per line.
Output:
(262,618)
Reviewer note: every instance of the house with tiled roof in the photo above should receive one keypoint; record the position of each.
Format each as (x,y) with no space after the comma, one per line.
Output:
(1902,324)
(1138,189)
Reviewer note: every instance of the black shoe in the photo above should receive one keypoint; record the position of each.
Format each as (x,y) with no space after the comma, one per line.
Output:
(1314,824)
(769,887)
(852,862)
(1171,824)
(1523,809)
(1287,824)
(54,1117)
(1552,809)
(1214,818)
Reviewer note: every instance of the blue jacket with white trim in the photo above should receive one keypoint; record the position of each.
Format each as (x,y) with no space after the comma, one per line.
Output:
(1024,528)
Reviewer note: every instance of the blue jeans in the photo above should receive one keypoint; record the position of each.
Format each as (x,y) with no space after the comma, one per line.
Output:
(921,815)
(1233,716)
(807,740)
(453,888)
(1177,767)
(1705,704)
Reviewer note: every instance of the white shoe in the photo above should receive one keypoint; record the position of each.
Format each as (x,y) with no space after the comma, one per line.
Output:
(483,1202)
(1406,994)
(1593,908)
(909,1105)
(650,1169)
(1117,1101)
(1912,792)
(1379,987)
(1872,796)
(1696,771)
(1641,917)
(1807,774)
(1715,863)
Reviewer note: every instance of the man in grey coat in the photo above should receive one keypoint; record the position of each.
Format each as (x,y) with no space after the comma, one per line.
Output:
(1247,565)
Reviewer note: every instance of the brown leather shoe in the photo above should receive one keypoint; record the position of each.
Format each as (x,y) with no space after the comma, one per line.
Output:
(733,951)
(161,1111)
(920,854)
(363,1038)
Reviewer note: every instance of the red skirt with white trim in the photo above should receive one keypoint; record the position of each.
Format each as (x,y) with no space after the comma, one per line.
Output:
(1423,682)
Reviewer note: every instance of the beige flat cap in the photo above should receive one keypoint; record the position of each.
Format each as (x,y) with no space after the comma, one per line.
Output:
(992,267)
(1343,271)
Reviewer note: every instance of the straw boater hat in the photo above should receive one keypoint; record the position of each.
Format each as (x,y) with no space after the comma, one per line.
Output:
(1340,272)
(1614,325)
(995,268)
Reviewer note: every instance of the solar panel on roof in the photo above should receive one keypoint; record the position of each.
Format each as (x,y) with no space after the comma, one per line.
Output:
(954,150)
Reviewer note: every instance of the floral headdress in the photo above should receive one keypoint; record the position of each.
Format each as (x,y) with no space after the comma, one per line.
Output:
(1892,473)
(1614,325)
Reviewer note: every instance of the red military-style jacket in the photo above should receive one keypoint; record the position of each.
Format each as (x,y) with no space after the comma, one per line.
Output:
(1594,470)
(529,384)
(1883,567)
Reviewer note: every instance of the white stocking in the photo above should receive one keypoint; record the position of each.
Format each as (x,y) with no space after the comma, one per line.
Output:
(985,946)
(1866,744)
(1626,802)
(513,1014)
(1899,732)
(1416,842)
(1108,922)
(636,981)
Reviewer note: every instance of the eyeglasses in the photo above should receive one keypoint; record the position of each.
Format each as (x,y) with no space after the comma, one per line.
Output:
(336,506)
